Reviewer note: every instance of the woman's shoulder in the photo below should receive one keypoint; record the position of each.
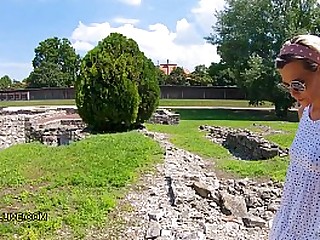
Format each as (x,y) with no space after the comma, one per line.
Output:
(303,111)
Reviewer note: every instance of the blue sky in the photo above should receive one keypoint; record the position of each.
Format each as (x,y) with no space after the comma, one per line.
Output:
(164,29)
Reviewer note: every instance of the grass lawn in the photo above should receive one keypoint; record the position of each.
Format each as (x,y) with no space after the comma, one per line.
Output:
(163,102)
(75,185)
(209,102)
(186,135)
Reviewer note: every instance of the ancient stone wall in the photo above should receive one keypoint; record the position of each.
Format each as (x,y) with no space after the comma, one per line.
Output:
(50,126)
(243,143)
(11,130)
(57,132)
(53,126)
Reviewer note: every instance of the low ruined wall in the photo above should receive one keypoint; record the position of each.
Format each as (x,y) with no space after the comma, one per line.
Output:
(50,126)
(243,143)
(11,130)
(56,132)
(54,126)
(164,116)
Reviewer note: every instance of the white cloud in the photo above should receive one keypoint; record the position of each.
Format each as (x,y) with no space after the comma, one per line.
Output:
(182,46)
(15,70)
(126,20)
(204,13)
(132,2)
(82,45)
(185,45)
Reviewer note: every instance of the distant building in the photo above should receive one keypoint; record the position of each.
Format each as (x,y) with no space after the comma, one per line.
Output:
(167,68)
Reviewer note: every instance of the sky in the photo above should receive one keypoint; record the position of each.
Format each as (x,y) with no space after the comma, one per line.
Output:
(163,29)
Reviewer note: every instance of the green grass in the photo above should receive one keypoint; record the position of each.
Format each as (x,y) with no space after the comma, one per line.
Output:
(209,102)
(75,185)
(163,102)
(186,135)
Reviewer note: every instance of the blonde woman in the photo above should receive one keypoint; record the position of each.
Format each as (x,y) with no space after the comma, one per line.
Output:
(298,217)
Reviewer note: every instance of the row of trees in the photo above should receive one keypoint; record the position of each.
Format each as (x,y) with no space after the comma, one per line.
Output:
(216,75)
(56,64)
(7,83)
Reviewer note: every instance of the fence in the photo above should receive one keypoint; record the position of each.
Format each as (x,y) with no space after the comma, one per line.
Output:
(195,92)
(167,92)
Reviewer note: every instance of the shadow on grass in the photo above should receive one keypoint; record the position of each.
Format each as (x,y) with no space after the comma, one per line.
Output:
(229,114)
(114,129)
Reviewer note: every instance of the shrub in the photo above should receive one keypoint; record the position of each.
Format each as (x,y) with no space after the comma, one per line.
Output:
(116,88)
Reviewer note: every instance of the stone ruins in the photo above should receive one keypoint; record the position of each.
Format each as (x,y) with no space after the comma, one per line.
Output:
(164,116)
(243,143)
(54,126)
(184,199)
(50,126)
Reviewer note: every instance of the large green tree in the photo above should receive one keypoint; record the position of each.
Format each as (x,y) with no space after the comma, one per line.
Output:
(47,75)
(55,64)
(249,34)
(221,74)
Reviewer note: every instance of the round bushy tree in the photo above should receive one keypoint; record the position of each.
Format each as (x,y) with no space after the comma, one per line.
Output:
(116,88)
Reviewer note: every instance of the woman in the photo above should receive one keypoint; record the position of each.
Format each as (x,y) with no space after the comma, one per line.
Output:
(298,217)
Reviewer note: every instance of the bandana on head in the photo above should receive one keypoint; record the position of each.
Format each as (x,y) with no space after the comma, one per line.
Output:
(302,51)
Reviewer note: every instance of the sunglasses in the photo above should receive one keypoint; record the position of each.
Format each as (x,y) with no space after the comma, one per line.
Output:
(296,85)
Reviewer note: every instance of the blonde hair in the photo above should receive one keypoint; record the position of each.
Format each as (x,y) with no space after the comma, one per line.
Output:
(308,40)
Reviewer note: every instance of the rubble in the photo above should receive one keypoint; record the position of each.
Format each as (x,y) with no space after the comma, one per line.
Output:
(184,199)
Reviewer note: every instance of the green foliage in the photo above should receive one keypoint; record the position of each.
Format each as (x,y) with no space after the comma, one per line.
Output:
(149,92)
(5,82)
(177,77)
(247,30)
(221,74)
(200,76)
(117,87)
(18,84)
(161,76)
(55,64)
(47,75)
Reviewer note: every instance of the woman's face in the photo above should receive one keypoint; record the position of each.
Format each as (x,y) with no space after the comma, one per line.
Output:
(294,72)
